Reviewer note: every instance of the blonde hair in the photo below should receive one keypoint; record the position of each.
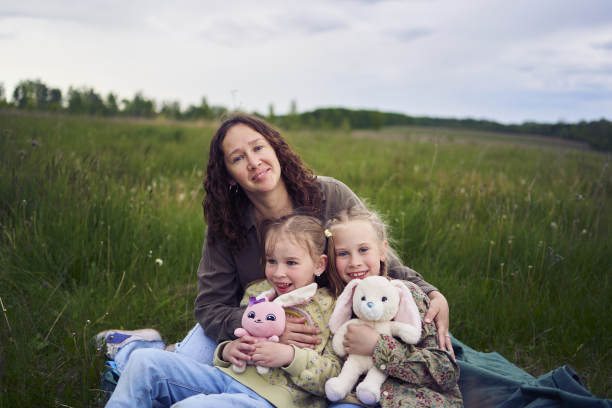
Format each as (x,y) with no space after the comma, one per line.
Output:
(343,217)
(303,230)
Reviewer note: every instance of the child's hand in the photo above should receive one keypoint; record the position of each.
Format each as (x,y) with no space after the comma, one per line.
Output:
(268,354)
(299,334)
(360,339)
(239,351)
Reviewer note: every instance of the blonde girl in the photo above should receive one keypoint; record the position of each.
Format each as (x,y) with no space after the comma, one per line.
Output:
(419,375)
(293,258)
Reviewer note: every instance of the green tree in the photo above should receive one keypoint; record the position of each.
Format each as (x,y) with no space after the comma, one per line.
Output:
(111,107)
(31,95)
(171,109)
(139,106)
(271,116)
(55,100)
(85,101)
(3,102)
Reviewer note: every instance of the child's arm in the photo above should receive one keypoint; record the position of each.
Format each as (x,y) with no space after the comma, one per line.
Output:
(310,370)
(424,364)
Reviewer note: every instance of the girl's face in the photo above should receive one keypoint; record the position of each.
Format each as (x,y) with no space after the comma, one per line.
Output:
(358,250)
(289,265)
(250,160)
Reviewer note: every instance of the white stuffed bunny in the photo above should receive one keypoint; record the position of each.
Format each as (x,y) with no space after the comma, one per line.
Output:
(388,307)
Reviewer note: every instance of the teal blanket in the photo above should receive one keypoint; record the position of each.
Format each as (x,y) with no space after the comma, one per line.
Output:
(489,380)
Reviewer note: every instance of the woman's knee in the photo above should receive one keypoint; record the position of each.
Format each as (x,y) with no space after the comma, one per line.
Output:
(145,360)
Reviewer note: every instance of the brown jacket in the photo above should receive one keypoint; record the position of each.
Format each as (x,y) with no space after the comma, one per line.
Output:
(223,274)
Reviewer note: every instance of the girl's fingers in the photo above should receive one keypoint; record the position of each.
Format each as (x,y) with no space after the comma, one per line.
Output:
(301,328)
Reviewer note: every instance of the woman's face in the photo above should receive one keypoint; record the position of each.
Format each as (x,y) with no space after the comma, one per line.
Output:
(250,160)
(358,250)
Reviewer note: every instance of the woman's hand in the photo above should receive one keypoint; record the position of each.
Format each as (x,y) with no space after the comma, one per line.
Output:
(300,334)
(360,339)
(239,351)
(268,354)
(439,312)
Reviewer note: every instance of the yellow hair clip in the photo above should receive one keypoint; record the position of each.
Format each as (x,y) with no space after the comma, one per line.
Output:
(328,233)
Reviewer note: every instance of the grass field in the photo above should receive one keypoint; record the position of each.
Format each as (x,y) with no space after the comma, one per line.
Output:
(516,235)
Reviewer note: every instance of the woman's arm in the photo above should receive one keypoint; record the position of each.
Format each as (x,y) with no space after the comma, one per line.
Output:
(216,305)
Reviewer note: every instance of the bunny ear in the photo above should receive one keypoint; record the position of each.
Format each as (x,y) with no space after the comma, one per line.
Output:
(298,296)
(407,312)
(344,306)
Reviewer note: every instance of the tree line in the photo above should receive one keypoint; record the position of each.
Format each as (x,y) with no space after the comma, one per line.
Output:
(34,95)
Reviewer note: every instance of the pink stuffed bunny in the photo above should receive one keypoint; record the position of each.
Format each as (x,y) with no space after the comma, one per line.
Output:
(388,307)
(265,319)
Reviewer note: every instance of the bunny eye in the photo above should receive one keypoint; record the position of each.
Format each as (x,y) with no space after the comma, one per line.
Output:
(271,317)
(363,298)
(251,315)
(384,299)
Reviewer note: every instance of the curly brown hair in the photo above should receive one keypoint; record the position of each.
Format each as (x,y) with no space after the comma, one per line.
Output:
(224,209)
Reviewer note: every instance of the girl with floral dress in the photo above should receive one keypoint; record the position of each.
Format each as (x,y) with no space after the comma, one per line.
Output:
(420,375)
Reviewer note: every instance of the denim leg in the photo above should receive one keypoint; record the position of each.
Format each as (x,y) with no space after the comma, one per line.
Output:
(235,395)
(123,355)
(154,376)
(197,346)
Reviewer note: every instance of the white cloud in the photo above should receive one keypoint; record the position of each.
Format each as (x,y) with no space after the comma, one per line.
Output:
(508,61)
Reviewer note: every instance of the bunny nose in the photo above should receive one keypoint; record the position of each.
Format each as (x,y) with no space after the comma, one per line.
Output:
(370,305)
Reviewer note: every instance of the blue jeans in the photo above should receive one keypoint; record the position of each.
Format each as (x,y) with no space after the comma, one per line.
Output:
(157,378)
(196,345)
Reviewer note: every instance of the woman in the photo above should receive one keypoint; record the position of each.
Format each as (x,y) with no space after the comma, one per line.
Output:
(253,175)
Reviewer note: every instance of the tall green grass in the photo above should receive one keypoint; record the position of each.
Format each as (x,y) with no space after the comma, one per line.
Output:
(516,238)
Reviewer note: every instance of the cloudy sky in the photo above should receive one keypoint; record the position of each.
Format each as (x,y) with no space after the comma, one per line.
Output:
(504,60)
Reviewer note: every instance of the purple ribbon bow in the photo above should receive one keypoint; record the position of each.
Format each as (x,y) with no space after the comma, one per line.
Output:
(253,300)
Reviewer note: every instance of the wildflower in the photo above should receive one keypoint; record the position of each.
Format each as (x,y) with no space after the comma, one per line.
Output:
(491,243)
(150,253)
(553,225)
(159,262)
(88,321)
(584,232)
(181,197)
